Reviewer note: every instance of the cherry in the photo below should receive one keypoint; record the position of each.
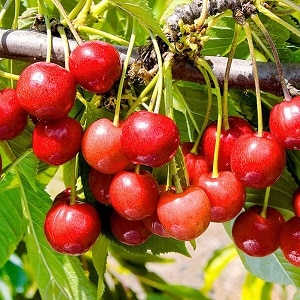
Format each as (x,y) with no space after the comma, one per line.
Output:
(185,215)
(290,241)
(226,194)
(13,118)
(149,138)
(95,65)
(129,232)
(284,123)
(296,202)
(258,161)
(101,147)
(238,126)
(56,142)
(71,228)
(99,184)
(196,164)
(46,90)
(134,196)
(256,235)
(153,224)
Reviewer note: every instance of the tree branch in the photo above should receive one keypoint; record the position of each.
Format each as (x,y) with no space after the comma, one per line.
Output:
(30,45)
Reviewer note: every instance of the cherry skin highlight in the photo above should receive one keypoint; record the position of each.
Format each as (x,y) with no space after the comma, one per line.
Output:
(95,65)
(257,161)
(46,90)
(255,235)
(149,138)
(13,118)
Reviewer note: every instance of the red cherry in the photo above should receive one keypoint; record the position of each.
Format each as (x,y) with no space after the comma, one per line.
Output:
(195,164)
(184,215)
(99,184)
(257,161)
(46,90)
(238,126)
(71,229)
(149,139)
(95,65)
(101,147)
(129,232)
(56,142)
(284,123)
(256,235)
(296,202)
(13,118)
(153,224)
(226,194)
(290,241)
(134,196)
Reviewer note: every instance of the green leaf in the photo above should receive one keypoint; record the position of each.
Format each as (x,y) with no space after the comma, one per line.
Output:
(58,276)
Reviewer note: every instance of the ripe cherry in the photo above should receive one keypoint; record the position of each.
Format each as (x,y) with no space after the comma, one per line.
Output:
(13,118)
(185,215)
(99,184)
(134,196)
(296,202)
(226,194)
(56,142)
(284,123)
(71,228)
(101,147)
(95,65)
(238,126)
(290,241)
(46,90)
(153,224)
(195,163)
(149,138)
(256,235)
(129,232)
(258,161)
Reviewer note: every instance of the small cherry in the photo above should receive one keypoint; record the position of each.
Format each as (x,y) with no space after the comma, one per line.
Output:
(296,202)
(290,241)
(258,235)
(101,147)
(95,65)
(71,228)
(154,225)
(258,161)
(149,138)
(13,118)
(58,141)
(129,232)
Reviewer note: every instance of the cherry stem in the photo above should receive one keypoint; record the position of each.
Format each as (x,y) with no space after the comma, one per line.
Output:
(123,75)
(137,169)
(75,11)
(174,174)
(237,30)
(266,201)
(261,26)
(247,30)
(8,75)
(204,14)
(64,38)
(168,91)
(73,179)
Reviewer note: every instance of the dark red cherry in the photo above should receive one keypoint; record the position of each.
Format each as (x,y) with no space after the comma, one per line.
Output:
(153,224)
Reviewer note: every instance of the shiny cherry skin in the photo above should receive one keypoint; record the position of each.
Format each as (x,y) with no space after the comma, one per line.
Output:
(226,194)
(129,232)
(237,127)
(185,215)
(101,147)
(149,138)
(71,229)
(56,142)
(284,123)
(195,163)
(99,184)
(134,196)
(95,65)
(290,241)
(46,90)
(153,224)
(258,161)
(296,202)
(255,235)
(13,118)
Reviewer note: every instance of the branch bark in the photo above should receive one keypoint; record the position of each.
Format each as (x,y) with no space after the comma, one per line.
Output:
(30,45)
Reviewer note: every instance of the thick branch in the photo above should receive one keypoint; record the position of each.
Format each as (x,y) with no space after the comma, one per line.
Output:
(29,45)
